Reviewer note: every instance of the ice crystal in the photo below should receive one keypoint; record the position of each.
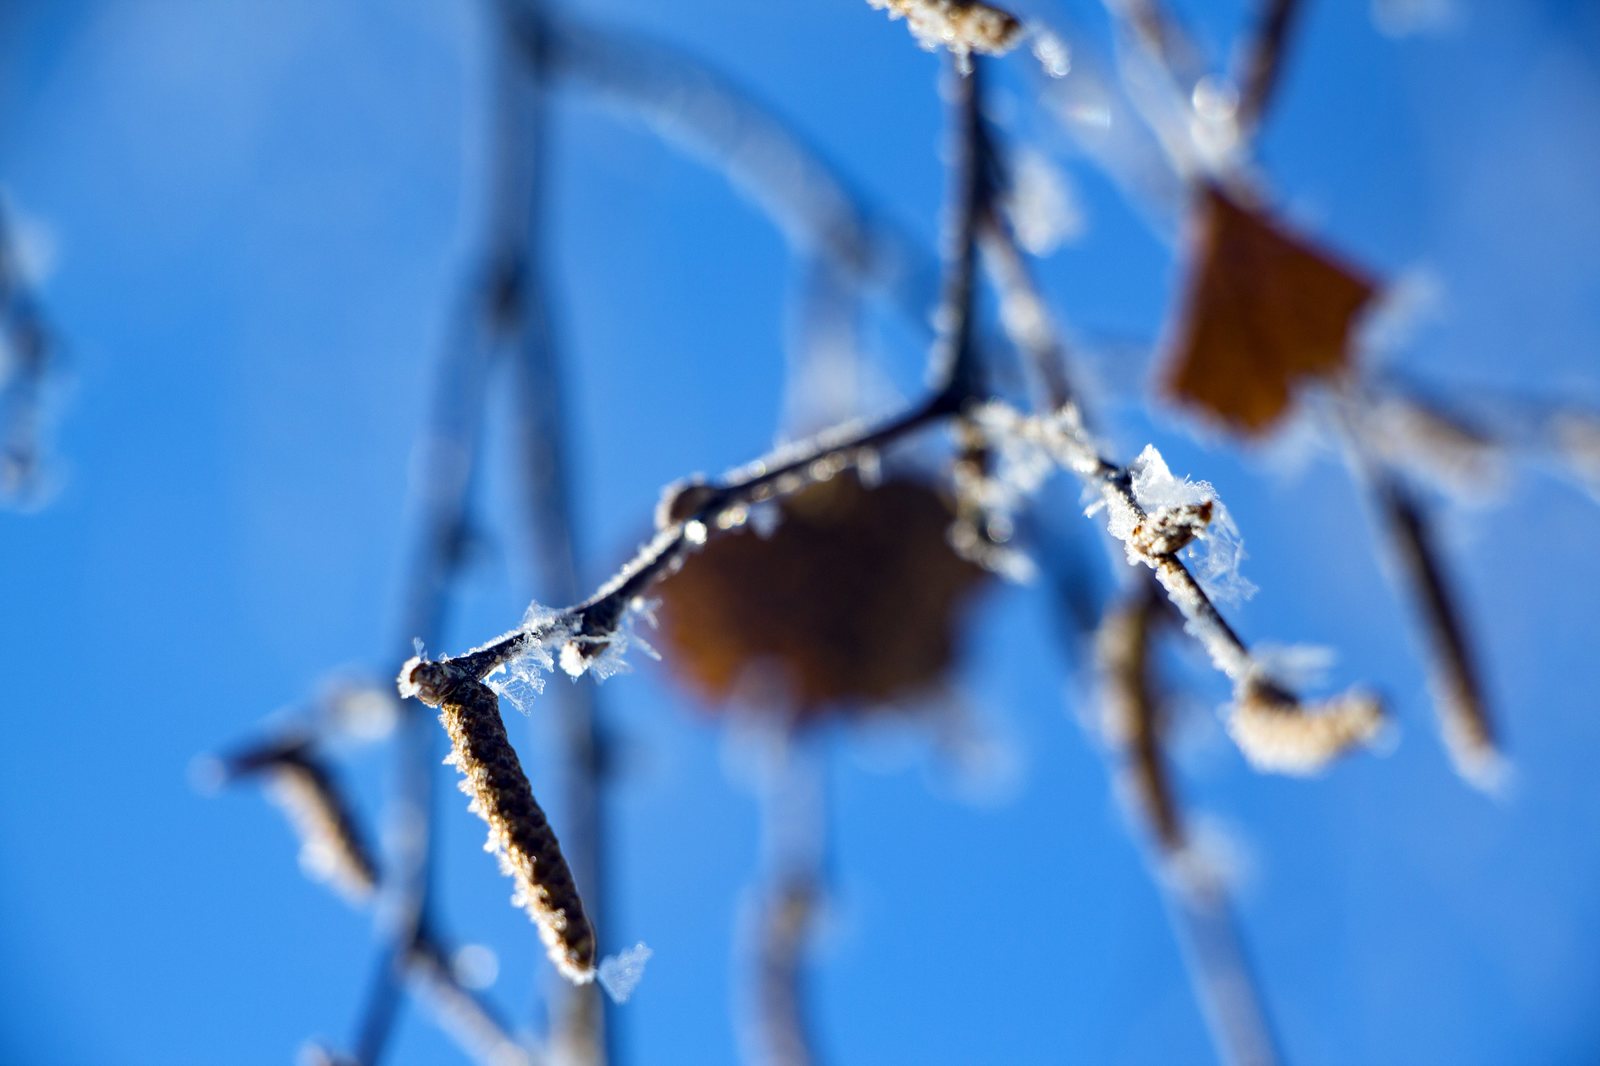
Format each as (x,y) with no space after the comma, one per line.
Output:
(1180,516)
(603,656)
(521,677)
(621,973)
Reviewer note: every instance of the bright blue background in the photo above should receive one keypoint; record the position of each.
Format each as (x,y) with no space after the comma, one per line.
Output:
(260,216)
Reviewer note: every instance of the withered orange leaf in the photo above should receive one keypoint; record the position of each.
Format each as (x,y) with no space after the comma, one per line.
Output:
(851,601)
(1265,309)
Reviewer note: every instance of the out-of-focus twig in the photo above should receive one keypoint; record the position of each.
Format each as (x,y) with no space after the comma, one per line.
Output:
(1197,900)
(1152,24)
(761,154)
(792,795)
(1260,66)
(29,349)
(442,489)
(1132,712)
(1274,726)
(581,1033)
(1463,711)
(332,845)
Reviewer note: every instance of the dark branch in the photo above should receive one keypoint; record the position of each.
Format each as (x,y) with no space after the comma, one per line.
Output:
(1261,63)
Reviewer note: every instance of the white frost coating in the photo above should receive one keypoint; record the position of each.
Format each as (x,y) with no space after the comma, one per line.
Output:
(1023,463)
(1053,53)
(1287,738)
(1576,438)
(1404,308)
(962,26)
(1217,550)
(1408,18)
(621,973)
(1298,666)
(603,656)
(520,678)
(1043,208)
(765,518)
(1025,450)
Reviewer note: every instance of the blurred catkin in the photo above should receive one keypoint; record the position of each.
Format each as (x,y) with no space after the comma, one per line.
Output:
(332,848)
(962,26)
(1277,732)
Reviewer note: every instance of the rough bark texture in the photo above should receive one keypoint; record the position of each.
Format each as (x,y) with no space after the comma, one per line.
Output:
(518,830)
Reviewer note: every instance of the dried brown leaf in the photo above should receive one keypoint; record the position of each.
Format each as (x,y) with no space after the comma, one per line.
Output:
(1266,309)
(853,598)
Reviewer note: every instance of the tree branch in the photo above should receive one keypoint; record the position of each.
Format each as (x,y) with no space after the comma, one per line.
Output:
(1261,63)
(1273,726)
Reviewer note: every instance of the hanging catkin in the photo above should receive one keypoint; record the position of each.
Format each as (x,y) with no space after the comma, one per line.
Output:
(518,831)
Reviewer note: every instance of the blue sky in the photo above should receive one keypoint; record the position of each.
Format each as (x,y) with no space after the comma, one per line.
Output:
(251,222)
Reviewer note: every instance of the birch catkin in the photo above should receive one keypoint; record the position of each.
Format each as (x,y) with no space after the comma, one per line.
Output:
(331,848)
(518,831)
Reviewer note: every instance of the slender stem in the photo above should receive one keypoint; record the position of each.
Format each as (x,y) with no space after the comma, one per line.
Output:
(31,349)
(1462,707)
(794,836)
(1215,959)
(1261,63)
(692,105)
(1036,338)
(583,1028)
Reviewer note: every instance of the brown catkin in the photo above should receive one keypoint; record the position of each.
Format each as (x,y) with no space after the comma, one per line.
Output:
(1275,732)
(331,848)
(518,830)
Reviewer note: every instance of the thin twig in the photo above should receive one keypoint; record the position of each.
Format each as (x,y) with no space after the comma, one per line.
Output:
(1276,729)
(24,364)
(449,445)
(581,1030)
(700,508)
(1463,711)
(1261,63)
(793,801)
(1225,985)
(762,154)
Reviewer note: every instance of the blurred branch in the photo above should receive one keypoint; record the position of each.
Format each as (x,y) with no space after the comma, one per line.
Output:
(794,837)
(1135,716)
(24,364)
(332,845)
(1134,719)
(1159,34)
(694,510)
(1273,726)
(763,155)
(542,440)
(1458,691)
(1261,62)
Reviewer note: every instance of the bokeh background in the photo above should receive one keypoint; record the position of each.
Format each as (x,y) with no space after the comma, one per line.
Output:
(250,224)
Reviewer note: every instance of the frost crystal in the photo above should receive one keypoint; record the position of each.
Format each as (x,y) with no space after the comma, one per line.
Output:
(603,656)
(1043,208)
(1052,53)
(521,677)
(621,973)
(1181,515)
